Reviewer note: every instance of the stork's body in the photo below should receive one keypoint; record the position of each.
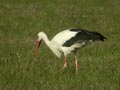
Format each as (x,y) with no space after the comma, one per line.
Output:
(69,41)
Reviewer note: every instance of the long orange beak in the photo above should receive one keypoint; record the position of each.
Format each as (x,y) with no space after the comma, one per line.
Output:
(37,47)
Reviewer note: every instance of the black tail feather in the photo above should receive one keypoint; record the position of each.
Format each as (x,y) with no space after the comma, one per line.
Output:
(103,38)
(99,36)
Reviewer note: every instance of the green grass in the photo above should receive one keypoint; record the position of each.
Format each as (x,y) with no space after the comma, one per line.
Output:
(21,20)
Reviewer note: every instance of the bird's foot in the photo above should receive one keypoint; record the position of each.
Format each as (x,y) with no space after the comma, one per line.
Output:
(76,72)
(64,67)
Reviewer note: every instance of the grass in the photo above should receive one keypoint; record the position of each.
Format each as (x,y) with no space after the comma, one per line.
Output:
(20,21)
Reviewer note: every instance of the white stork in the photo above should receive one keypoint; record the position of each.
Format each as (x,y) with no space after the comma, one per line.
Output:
(68,41)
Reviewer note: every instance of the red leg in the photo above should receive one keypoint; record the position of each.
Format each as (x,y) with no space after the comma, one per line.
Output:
(65,63)
(76,65)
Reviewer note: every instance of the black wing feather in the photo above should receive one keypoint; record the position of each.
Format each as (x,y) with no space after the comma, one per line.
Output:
(84,36)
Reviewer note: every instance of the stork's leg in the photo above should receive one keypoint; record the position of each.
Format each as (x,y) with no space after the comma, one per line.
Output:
(76,64)
(65,63)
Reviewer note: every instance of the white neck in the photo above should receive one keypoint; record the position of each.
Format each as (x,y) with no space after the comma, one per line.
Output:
(53,46)
(45,39)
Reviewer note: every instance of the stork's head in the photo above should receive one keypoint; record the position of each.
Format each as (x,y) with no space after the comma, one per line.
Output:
(40,37)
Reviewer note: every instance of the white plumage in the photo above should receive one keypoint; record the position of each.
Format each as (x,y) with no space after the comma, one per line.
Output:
(63,36)
(68,41)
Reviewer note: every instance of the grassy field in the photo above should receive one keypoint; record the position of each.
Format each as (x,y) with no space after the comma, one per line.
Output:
(21,20)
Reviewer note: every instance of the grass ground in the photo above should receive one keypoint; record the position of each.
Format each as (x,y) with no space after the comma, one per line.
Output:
(21,20)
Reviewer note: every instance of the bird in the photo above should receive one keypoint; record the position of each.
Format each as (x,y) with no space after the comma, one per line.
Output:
(68,41)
